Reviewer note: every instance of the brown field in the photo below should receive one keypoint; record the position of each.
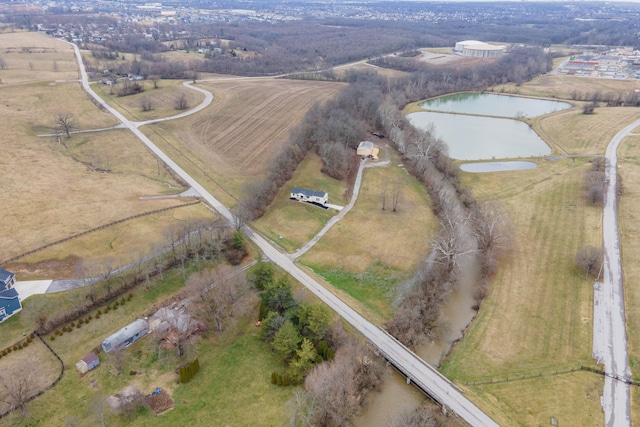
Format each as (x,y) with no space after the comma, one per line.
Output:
(30,57)
(563,86)
(576,133)
(57,190)
(233,140)
(162,99)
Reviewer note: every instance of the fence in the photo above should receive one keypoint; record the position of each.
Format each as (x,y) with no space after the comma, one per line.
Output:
(49,387)
(549,374)
(57,242)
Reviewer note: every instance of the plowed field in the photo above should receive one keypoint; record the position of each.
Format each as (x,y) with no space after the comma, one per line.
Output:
(248,122)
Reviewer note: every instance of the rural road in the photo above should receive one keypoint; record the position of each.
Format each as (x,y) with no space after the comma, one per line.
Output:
(610,337)
(422,374)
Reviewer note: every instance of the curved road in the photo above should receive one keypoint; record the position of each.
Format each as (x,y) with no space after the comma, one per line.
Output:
(422,374)
(611,347)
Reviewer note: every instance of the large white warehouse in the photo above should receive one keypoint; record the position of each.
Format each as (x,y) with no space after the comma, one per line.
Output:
(478,49)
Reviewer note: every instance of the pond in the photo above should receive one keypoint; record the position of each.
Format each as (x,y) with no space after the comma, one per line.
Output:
(482,138)
(497,166)
(489,104)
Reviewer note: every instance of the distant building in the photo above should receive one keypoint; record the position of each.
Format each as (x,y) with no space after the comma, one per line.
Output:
(126,336)
(478,49)
(9,299)
(87,363)
(367,149)
(310,196)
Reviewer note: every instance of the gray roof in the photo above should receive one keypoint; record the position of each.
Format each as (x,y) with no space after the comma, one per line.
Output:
(127,332)
(308,193)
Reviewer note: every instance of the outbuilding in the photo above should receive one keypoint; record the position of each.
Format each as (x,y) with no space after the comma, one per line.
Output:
(87,363)
(310,196)
(126,336)
(367,149)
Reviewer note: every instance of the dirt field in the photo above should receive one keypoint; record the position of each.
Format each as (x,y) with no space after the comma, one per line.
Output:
(234,139)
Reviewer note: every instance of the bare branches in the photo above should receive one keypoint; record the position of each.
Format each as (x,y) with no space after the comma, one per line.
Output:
(64,122)
(589,259)
(17,386)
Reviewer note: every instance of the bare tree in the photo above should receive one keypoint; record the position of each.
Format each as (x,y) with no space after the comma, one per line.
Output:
(155,79)
(240,216)
(595,182)
(3,63)
(396,195)
(181,102)
(55,66)
(424,145)
(145,103)
(17,386)
(589,259)
(64,122)
(217,292)
(383,193)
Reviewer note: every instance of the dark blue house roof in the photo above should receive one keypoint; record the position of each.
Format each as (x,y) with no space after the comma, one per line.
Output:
(308,193)
(5,275)
(8,294)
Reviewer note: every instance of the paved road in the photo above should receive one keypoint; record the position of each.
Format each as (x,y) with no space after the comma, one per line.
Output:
(425,376)
(613,343)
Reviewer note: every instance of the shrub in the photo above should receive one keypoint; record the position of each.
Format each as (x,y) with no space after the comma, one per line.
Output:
(129,296)
(274,378)
(73,324)
(78,325)
(52,338)
(15,347)
(80,322)
(99,313)
(57,332)
(280,382)
(9,350)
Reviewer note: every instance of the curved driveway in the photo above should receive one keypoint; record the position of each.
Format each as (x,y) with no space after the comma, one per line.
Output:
(421,373)
(611,347)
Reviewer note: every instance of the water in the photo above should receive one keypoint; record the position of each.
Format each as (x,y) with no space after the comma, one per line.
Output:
(482,138)
(489,104)
(497,166)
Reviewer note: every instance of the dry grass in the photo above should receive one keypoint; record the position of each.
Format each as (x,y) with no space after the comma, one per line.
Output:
(30,57)
(368,234)
(233,140)
(555,86)
(37,362)
(538,317)
(577,133)
(572,399)
(629,206)
(55,191)
(162,99)
(298,222)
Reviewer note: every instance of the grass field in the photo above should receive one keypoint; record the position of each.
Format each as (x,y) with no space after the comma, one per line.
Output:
(629,227)
(162,99)
(34,57)
(291,224)
(367,252)
(56,190)
(233,383)
(538,317)
(233,140)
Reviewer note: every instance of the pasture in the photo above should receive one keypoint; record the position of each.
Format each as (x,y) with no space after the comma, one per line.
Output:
(233,140)
(56,189)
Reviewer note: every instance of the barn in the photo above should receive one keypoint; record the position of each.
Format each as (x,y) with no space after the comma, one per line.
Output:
(87,363)
(9,299)
(126,336)
(319,198)
(367,149)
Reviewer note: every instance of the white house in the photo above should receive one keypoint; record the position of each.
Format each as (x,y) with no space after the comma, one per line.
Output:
(310,196)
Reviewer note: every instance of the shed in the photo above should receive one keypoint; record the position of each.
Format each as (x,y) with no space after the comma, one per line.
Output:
(310,196)
(87,363)
(126,336)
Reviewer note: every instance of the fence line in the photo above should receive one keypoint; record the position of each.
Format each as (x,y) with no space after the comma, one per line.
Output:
(50,386)
(91,230)
(549,374)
